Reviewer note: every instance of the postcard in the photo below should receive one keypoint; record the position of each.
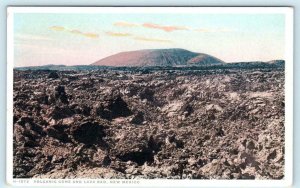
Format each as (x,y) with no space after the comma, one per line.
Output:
(150,96)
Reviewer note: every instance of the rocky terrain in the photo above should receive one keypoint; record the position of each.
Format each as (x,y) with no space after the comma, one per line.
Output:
(175,124)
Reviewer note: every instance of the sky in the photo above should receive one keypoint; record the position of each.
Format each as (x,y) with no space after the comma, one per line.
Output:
(81,39)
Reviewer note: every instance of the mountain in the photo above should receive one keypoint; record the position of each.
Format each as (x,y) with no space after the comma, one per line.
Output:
(277,62)
(158,57)
(204,59)
(274,63)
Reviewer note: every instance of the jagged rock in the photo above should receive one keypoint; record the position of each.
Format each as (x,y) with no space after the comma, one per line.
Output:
(61,112)
(113,108)
(138,118)
(196,123)
(88,133)
(53,75)
(147,93)
(60,94)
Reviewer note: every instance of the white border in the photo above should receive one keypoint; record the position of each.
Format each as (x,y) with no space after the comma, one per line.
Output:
(9,102)
(288,11)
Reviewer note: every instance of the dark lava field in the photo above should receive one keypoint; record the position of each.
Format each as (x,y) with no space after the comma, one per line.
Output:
(174,124)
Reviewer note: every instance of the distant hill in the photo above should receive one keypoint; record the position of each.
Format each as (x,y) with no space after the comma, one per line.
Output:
(44,67)
(159,57)
(204,59)
(276,62)
(145,69)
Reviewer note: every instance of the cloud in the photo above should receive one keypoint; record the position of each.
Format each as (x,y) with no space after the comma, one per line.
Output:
(75,31)
(90,35)
(57,28)
(125,24)
(152,39)
(116,34)
(166,28)
(170,28)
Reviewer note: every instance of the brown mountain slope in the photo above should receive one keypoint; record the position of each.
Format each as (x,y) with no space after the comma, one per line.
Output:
(204,59)
(156,57)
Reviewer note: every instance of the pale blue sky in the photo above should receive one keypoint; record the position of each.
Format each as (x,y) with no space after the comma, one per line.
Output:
(74,39)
